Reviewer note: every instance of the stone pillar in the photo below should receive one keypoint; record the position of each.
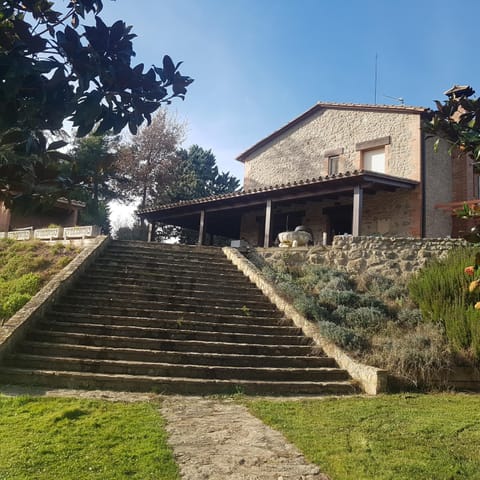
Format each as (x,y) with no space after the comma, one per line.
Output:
(357,210)
(201,228)
(268,223)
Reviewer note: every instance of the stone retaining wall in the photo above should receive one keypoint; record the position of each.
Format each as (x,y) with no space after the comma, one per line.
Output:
(389,257)
(16,327)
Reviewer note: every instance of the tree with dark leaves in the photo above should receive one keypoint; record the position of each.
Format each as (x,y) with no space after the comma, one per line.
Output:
(457,120)
(53,69)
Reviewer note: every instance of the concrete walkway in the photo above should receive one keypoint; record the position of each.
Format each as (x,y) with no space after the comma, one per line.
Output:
(217,439)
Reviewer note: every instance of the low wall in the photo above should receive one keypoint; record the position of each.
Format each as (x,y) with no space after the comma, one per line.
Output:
(389,257)
(16,327)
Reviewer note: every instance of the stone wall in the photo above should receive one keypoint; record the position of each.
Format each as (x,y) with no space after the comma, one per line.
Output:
(389,257)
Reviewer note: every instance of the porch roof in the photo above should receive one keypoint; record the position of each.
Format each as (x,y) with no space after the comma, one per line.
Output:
(340,183)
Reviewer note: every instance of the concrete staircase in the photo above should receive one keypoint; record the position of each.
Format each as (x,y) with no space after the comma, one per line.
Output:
(166,318)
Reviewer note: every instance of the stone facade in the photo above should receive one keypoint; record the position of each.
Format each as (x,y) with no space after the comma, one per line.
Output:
(302,151)
(389,257)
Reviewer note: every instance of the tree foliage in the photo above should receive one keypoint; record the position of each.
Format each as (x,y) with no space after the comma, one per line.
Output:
(149,161)
(457,120)
(53,69)
(96,177)
(200,176)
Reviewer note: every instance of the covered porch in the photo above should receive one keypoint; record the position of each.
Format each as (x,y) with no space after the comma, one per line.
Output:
(356,203)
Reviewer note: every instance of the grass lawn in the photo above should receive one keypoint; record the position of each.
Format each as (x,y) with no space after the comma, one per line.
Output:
(411,437)
(48,438)
(25,267)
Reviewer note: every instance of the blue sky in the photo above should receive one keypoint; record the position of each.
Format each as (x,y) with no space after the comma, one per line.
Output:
(259,63)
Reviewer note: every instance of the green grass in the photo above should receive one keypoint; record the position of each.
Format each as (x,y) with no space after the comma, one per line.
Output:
(46,438)
(24,268)
(391,437)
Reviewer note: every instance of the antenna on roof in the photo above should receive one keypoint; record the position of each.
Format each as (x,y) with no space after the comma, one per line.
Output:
(375,86)
(398,99)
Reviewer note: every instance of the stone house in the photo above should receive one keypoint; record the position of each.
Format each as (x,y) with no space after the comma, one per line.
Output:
(335,169)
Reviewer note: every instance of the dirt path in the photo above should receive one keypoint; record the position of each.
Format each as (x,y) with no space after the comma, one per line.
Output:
(217,439)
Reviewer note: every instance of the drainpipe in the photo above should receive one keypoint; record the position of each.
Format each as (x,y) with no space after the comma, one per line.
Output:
(423,223)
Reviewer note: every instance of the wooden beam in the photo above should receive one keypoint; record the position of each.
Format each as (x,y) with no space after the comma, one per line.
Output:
(357,210)
(268,223)
(201,229)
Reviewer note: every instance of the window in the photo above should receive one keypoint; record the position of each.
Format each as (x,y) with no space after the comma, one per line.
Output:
(333,164)
(332,157)
(374,160)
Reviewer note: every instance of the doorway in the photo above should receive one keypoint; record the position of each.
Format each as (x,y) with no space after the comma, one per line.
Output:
(340,220)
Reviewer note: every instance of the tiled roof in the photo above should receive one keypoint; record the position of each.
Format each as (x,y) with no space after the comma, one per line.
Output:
(331,105)
(274,188)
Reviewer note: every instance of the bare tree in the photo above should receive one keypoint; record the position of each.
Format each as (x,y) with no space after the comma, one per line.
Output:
(149,161)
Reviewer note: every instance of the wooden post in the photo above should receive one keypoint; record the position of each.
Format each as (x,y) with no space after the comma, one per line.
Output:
(357,210)
(151,226)
(268,223)
(201,229)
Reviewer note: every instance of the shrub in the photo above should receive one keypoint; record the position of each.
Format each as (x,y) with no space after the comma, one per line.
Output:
(409,317)
(343,337)
(310,308)
(13,303)
(331,298)
(419,355)
(441,292)
(368,319)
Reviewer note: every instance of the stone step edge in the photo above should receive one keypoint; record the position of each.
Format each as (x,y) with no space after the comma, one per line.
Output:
(243,285)
(191,323)
(157,246)
(133,328)
(165,259)
(188,342)
(170,298)
(173,352)
(188,277)
(259,318)
(134,363)
(150,305)
(69,376)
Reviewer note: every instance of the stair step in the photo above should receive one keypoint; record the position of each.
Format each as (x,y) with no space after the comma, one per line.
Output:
(155,248)
(179,315)
(105,302)
(194,358)
(152,369)
(242,287)
(167,261)
(198,289)
(171,276)
(174,324)
(51,336)
(175,297)
(173,334)
(200,386)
